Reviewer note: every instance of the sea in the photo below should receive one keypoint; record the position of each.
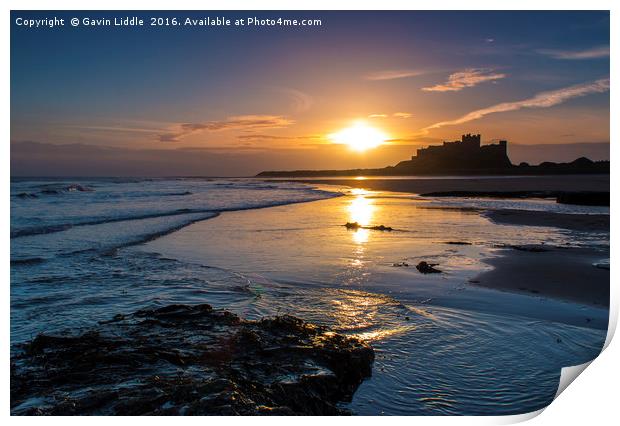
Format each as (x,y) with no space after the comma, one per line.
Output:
(86,249)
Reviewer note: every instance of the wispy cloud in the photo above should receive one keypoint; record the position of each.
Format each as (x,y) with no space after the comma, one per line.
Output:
(241,122)
(541,100)
(393,74)
(467,78)
(395,115)
(301,101)
(122,129)
(591,53)
(264,137)
(261,137)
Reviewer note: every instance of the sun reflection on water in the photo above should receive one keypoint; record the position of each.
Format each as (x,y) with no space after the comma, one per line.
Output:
(363,315)
(361,210)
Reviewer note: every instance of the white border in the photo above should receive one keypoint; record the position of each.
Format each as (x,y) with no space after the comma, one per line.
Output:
(592,400)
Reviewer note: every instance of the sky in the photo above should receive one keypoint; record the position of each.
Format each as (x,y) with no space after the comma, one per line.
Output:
(237,100)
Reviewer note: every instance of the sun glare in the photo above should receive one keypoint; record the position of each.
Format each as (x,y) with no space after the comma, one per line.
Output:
(359,137)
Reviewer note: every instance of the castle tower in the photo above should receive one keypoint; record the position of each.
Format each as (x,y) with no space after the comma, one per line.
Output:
(504,146)
(471,141)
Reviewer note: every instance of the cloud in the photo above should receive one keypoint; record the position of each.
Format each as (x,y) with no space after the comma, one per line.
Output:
(393,74)
(300,101)
(541,100)
(114,129)
(591,53)
(395,115)
(467,78)
(257,137)
(241,122)
(264,137)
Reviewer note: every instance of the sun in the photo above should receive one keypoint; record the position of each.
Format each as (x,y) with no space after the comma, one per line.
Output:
(360,136)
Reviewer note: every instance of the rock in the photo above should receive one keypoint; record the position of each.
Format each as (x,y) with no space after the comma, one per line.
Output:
(427,268)
(399,264)
(381,228)
(352,225)
(355,225)
(77,187)
(458,243)
(529,248)
(191,360)
(584,198)
(602,265)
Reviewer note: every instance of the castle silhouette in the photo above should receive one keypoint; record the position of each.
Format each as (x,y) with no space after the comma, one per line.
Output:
(468,153)
(460,158)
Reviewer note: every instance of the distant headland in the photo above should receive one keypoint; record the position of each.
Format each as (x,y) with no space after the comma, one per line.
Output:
(463,157)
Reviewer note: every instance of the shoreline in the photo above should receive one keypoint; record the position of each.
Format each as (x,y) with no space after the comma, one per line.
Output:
(555,274)
(420,185)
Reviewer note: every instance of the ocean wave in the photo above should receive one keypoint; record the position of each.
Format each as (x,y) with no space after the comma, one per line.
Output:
(54,189)
(27,261)
(49,229)
(145,238)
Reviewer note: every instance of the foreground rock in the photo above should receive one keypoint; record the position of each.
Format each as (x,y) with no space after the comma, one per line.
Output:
(191,360)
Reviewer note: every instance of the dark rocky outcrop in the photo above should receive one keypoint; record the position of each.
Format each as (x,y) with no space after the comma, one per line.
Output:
(356,226)
(584,198)
(427,268)
(531,248)
(191,360)
(352,225)
(380,228)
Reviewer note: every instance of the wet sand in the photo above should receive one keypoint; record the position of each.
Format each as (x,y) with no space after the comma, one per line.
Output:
(420,185)
(563,273)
